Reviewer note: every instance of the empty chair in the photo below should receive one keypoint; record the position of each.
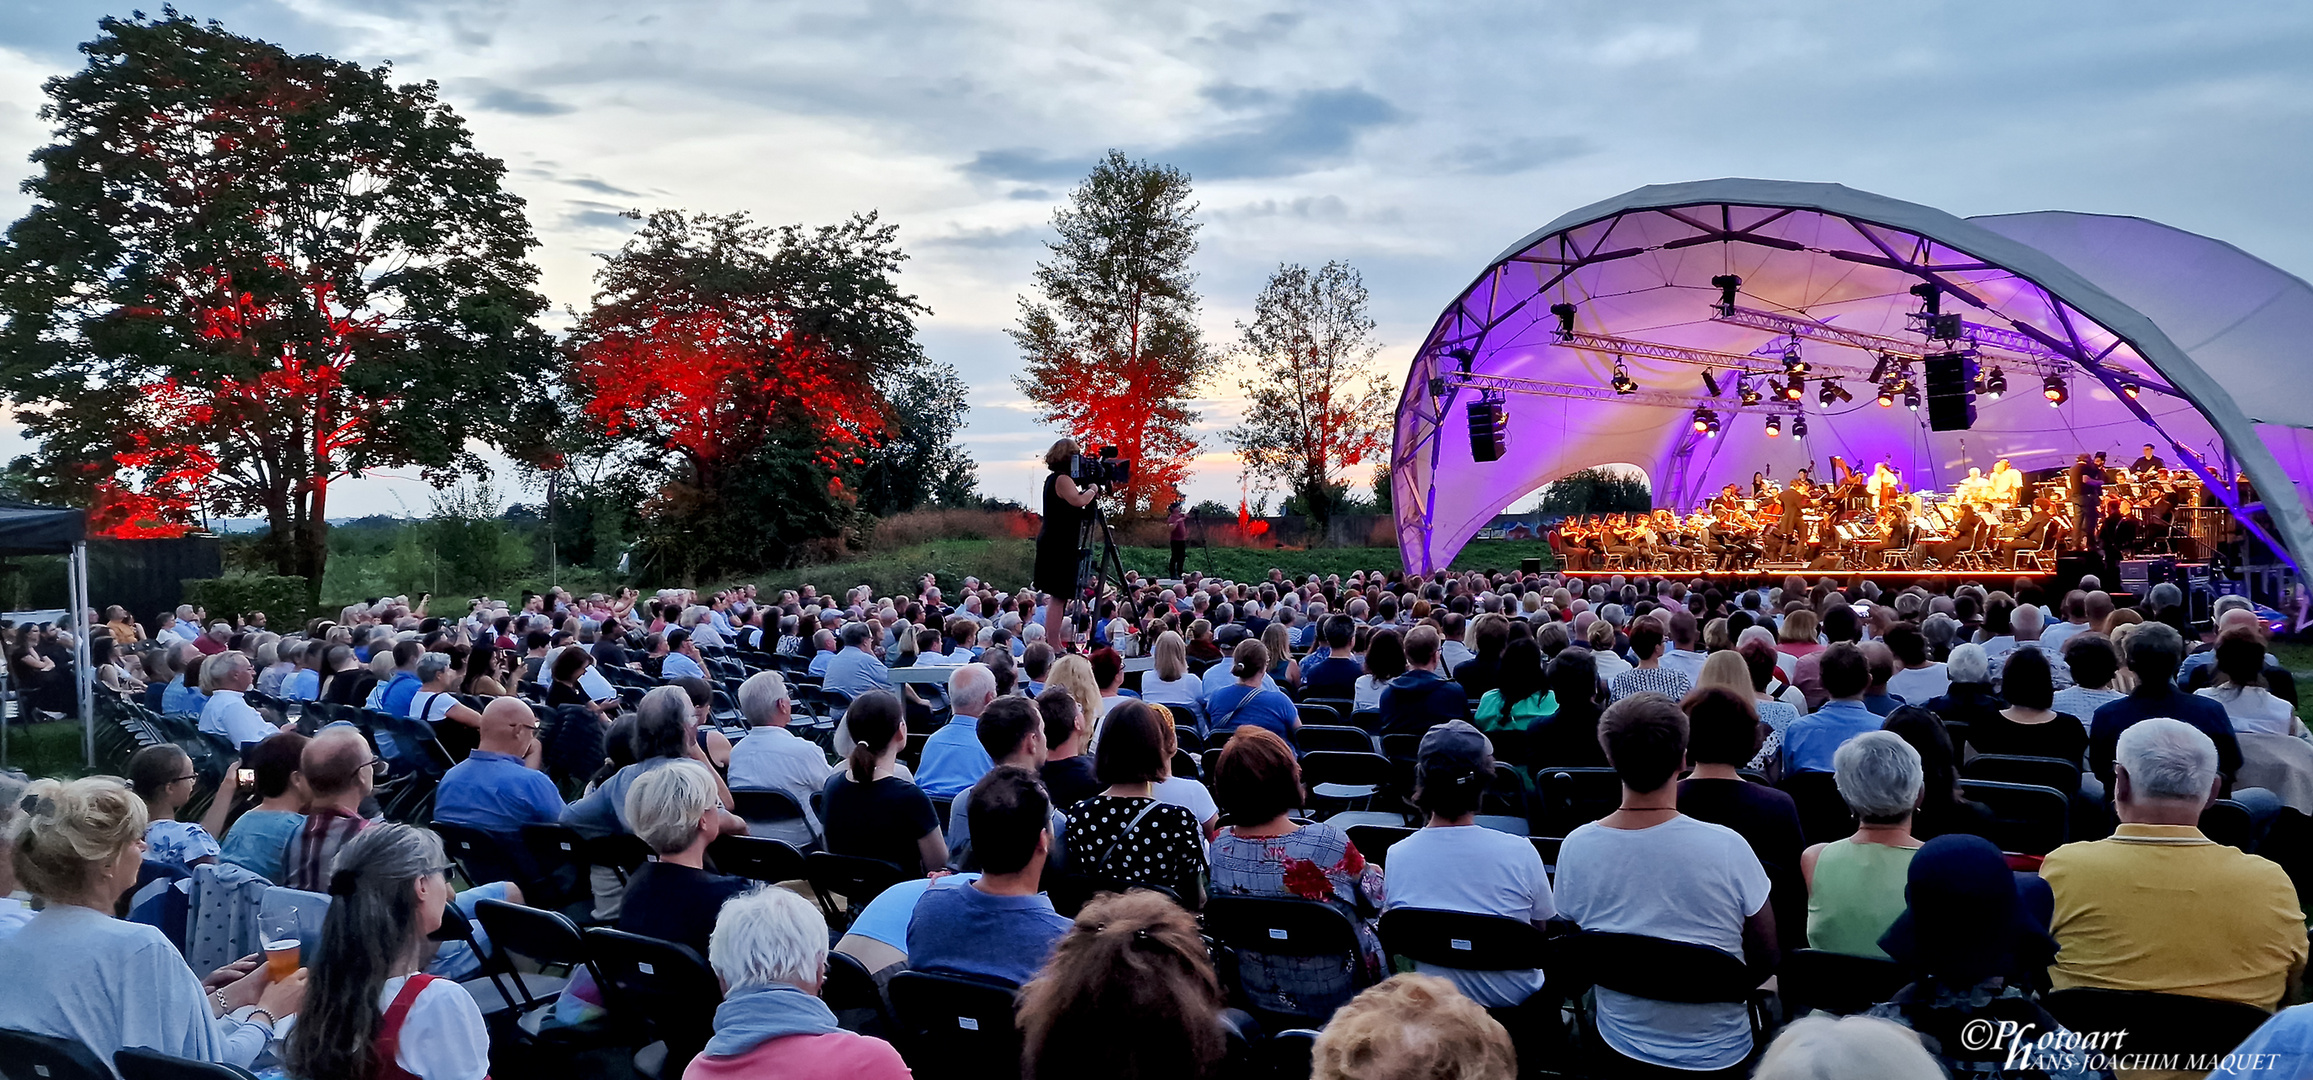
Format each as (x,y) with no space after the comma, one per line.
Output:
(1340,778)
(757,858)
(1812,979)
(1311,736)
(482,857)
(1314,713)
(2228,823)
(852,995)
(855,879)
(2027,818)
(949,1025)
(1373,841)
(774,811)
(2158,1023)
(2046,772)
(547,939)
(660,990)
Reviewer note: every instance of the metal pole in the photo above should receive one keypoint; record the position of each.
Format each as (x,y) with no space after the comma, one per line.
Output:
(84,679)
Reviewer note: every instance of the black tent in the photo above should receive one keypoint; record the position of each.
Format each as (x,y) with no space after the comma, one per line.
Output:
(26,529)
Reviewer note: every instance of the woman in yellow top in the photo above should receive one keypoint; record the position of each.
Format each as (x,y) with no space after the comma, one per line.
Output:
(1855,886)
(1522,699)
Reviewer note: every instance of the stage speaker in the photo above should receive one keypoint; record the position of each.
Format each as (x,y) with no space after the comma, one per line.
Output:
(1527,567)
(1489,430)
(1951,391)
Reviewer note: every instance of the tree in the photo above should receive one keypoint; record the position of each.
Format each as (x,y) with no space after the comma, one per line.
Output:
(918,461)
(248,274)
(742,364)
(1112,351)
(1314,404)
(1597,491)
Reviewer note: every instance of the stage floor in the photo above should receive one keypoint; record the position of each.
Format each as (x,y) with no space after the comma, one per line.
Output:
(1775,574)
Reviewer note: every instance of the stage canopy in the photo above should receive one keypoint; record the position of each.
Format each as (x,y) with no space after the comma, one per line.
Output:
(2147,333)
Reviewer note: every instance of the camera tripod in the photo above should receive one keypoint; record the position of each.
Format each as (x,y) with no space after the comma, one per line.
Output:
(1097,565)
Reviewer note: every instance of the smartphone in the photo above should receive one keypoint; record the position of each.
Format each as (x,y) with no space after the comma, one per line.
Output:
(248,777)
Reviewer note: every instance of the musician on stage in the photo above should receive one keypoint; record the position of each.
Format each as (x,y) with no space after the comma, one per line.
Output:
(1791,507)
(2148,463)
(1971,489)
(2007,485)
(1884,485)
(2033,533)
(1894,535)
(1972,532)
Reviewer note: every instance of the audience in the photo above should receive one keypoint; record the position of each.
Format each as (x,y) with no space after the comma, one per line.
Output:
(665,731)
(163,778)
(1918,677)
(1413,1027)
(257,839)
(1810,741)
(1569,735)
(340,770)
(1384,661)
(1257,781)
(1969,698)
(1647,675)
(79,973)
(2157,906)
(1855,885)
(1842,1048)
(1130,994)
(2154,650)
(1943,809)
(1518,697)
(870,810)
(1336,676)
(953,759)
(2094,663)
(1251,701)
(677,811)
(772,758)
(1000,926)
(769,948)
(2240,686)
(1069,772)
(1455,864)
(1169,682)
(370,1004)
(1125,833)
(1421,697)
(2030,726)
(1012,731)
(499,788)
(1723,734)
(1648,869)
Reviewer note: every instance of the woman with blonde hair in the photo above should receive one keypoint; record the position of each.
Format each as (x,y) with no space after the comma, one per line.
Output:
(1413,1026)
(79,973)
(1129,993)
(1796,637)
(1074,671)
(1169,682)
(1283,668)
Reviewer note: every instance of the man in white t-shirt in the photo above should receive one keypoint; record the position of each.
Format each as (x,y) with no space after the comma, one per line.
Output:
(1647,869)
(1455,864)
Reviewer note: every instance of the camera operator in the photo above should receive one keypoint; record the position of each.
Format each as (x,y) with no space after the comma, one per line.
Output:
(1178,520)
(1057,550)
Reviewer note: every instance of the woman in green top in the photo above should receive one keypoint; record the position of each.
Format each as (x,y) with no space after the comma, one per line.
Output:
(1855,886)
(1522,699)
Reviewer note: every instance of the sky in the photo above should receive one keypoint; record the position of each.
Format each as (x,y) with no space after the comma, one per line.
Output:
(1414,140)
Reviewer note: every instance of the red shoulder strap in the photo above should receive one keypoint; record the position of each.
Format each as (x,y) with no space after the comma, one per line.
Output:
(389,1028)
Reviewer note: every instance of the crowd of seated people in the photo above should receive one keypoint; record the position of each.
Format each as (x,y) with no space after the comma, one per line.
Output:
(1153,761)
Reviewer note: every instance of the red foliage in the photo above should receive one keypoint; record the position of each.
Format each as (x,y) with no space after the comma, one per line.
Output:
(1251,525)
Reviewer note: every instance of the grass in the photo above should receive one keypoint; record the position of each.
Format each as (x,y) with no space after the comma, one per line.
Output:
(47,749)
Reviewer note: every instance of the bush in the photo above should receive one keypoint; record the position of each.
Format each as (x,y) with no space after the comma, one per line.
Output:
(923,526)
(286,601)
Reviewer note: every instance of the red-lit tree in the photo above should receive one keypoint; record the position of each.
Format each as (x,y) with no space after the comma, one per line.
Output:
(249,274)
(1112,349)
(1314,404)
(742,365)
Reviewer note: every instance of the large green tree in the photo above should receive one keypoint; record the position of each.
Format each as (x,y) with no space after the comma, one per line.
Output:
(919,462)
(247,274)
(744,368)
(1314,404)
(1111,347)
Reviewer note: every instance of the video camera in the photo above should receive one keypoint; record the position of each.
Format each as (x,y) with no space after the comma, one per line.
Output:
(1106,470)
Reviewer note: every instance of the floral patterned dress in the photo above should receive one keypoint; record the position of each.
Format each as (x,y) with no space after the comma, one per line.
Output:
(1313,862)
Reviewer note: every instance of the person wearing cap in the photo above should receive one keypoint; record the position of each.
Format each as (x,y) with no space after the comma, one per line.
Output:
(1971,935)
(1647,869)
(2158,906)
(1455,864)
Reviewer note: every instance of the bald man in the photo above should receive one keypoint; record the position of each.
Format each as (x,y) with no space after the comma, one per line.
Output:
(953,759)
(340,770)
(498,788)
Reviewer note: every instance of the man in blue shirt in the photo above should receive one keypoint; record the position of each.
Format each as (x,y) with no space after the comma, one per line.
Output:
(1809,743)
(822,651)
(183,694)
(1336,675)
(855,669)
(1421,698)
(393,697)
(498,789)
(682,658)
(998,927)
(2154,651)
(953,758)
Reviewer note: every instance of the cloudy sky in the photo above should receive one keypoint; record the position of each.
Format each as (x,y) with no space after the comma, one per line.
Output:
(1413,139)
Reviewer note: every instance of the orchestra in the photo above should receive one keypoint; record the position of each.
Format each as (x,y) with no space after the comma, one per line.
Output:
(1860,520)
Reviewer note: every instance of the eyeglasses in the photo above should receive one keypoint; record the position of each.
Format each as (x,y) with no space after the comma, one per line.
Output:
(377,764)
(187,776)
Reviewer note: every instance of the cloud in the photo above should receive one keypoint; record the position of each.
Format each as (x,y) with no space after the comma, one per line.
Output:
(987,237)
(1503,157)
(1315,128)
(1306,208)
(506,99)
(600,187)
(1020,163)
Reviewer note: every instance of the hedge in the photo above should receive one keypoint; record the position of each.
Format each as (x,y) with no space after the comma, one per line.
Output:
(286,601)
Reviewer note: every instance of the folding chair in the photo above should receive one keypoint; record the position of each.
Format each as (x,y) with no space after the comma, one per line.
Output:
(1374,841)
(2046,772)
(1343,777)
(1569,797)
(1472,942)
(2228,823)
(2158,1024)
(663,990)
(1312,737)
(136,1063)
(481,857)
(1811,980)
(770,808)
(856,879)
(49,1058)
(1313,713)
(623,853)
(852,995)
(949,1025)
(1183,716)
(1660,969)
(2029,819)
(757,858)
(1823,813)
(1245,926)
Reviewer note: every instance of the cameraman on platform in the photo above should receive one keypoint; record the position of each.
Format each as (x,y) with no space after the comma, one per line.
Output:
(1179,521)
(1058,555)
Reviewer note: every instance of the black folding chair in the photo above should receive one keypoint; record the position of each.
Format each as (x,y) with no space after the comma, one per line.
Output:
(1343,779)
(761,806)
(1471,942)
(1374,841)
(1660,969)
(622,853)
(949,1025)
(481,857)
(851,994)
(1313,713)
(663,990)
(2027,818)
(1245,926)
(1812,980)
(1823,813)
(1186,739)
(1567,798)
(137,1063)
(1185,765)
(545,938)
(2158,1024)
(1311,737)
(856,879)
(49,1058)
(757,858)
(2228,823)
(1368,719)
(2046,772)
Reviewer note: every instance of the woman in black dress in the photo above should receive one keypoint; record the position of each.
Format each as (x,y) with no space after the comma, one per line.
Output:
(1057,551)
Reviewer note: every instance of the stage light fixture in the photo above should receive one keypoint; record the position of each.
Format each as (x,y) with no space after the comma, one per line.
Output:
(1774,426)
(2053,389)
(1705,421)
(2130,388)
(1746,393)
(1795,388)
(1887,392)
(1463,357)
(1726,284)
(1565,313)
(1709,383)
(1879,370)
(1799,426)
(1623,383)
(1995,384)
(1910,396)
(1792,363)
(1714,431)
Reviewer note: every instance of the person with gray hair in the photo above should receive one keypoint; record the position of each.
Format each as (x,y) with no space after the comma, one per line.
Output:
(2027,624)
(1855,886)
(772,758)
(665,731)
(953,759)
(855,668)
(678,811)
(769,948)
(2154,652)
(2159,907)
(226,677)
(438,681)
